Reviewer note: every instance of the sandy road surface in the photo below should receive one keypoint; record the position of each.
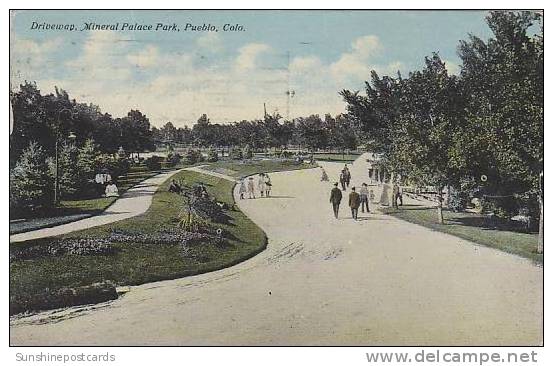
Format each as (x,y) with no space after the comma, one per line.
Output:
(321,281)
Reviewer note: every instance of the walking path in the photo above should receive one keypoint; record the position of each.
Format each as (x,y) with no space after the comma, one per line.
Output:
(321,281)
(133,202)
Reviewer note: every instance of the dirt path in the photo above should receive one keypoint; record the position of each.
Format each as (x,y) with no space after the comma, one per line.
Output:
(321,281)
(133,202)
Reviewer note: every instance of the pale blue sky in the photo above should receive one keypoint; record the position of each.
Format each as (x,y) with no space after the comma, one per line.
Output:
(178,75)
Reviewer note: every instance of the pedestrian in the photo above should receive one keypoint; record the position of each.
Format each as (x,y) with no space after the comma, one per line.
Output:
(371,196)
(364,195)
(335,199)
(347,175)
(396,195)
(261,184)
(174,187)
(342,181)
(268,185)
(324,176)
(203,191)
(242,189)
(354,202)
(111,190)
(251,191)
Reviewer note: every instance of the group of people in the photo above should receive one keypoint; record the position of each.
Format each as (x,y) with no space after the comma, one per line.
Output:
(355,199)
(345,177)
(264,186)
(199,190)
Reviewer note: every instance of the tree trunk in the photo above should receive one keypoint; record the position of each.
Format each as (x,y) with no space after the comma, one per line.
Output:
(540,237)
(440,207)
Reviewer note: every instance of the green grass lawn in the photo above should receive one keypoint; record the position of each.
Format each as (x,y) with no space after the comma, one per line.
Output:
(336,157)
(75,209)
(473,227)
(239,169)
(141,263)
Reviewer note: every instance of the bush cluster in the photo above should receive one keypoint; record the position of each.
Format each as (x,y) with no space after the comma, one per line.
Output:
(73,246)
(153,162)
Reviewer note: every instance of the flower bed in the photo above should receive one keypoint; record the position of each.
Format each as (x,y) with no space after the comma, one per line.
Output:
(74,246)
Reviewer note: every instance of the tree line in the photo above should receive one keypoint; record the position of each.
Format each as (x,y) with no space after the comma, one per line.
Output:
(478,133)
(311,133)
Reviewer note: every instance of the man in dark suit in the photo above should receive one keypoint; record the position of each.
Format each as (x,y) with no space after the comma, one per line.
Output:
(335,199)
(354,202)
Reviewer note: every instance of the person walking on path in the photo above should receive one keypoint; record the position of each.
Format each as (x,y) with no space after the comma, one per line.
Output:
(364,195)
(354,203)
(335,199)
(396,194)
(343,181)
(268,185)
(324,176)
(251,191)
(261,184)
(242,189)
(347,175)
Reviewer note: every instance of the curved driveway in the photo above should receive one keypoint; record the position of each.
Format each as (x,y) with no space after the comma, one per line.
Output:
(321,281)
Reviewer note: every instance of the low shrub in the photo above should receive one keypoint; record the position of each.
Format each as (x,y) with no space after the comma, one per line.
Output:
(153,162)
(73,246)
(62,297)
(172,159)
(212,156)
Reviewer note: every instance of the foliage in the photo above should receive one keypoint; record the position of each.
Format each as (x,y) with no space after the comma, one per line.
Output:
(69,176)
(172,158)
(236,153)
(76,246)
(436,129)
(247,152)
(212,155)
(31,184)
(193,156)
(153,162)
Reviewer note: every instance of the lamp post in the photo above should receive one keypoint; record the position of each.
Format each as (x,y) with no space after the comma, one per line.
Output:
(72,137)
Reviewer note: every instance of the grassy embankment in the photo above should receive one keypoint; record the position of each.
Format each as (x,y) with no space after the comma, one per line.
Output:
(137,263)
(473,227)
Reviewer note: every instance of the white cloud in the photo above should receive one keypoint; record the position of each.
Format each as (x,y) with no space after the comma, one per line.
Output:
(148,57)
(356,63)
(247,55)
(172,85)
(103,57)
(211,42)
(28,57)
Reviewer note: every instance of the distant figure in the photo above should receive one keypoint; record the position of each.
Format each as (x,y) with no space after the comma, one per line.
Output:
(251,192)
(364,195)
(201,191)
(261,184)
(242,189)
(335,199)
(174,187)
(343,181)
(347,175)
(268,185)
(324,176)
(354,203)
(396,195)
(371,196)
(111,190)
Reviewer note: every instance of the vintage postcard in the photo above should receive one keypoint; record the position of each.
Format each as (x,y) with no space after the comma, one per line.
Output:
(276,178)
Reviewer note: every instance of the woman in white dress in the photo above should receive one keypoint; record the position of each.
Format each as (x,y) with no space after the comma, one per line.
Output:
(268,185)
(111,190)
(261,184)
